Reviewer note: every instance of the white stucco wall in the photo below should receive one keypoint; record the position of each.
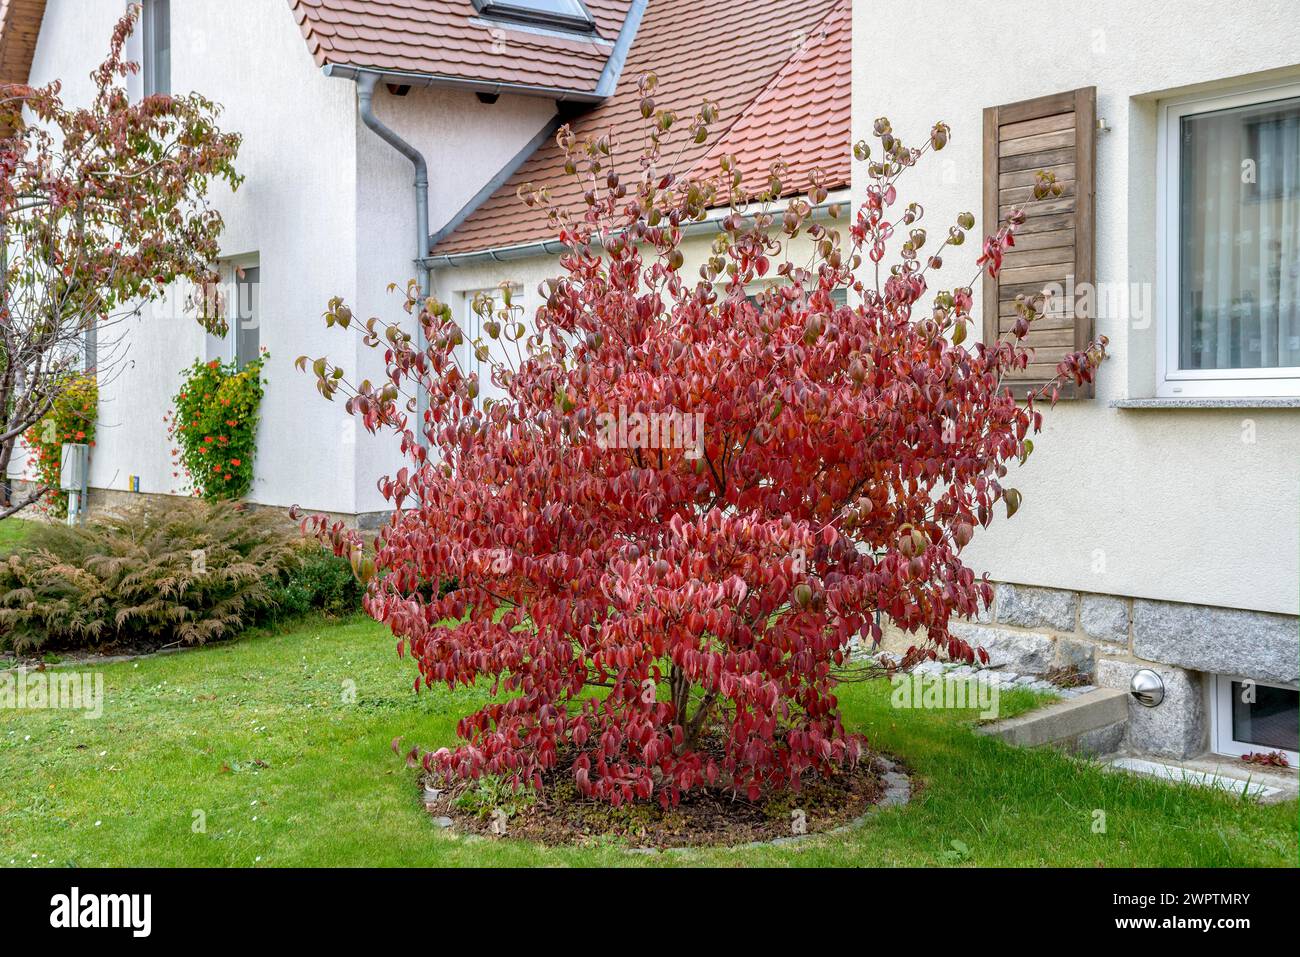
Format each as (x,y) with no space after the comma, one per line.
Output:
(455,285)
(326,207)
(465,142)
(295,211)
(1168,504)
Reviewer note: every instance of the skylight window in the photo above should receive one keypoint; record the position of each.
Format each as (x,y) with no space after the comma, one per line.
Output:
(557,14)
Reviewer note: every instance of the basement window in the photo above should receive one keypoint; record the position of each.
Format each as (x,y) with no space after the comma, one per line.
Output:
(557,14)
(1253,717)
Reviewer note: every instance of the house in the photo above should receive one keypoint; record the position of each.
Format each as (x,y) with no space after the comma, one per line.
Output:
(780,87)
(338,102)
(1167,530)
(328,207)
(1161,520)
(1160,527)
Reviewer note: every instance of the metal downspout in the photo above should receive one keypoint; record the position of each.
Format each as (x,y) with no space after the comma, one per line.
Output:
(365,102)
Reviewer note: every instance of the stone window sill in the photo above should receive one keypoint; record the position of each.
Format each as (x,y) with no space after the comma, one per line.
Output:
(1275,402)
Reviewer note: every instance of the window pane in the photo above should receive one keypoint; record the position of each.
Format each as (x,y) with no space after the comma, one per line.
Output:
(1239,275)
(247,316)
(560,12)
(498,354)
(157,47)
(91,357)
(569,7)
(1271,721)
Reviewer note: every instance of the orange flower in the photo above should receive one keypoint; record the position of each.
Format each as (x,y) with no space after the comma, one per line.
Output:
(235,463)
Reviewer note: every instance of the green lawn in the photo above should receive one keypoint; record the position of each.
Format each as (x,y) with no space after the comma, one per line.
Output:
(258,737)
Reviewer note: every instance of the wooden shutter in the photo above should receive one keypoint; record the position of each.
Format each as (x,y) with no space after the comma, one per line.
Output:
(1055,245)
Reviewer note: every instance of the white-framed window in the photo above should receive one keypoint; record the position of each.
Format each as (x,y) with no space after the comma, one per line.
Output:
(156,27)
(1251,716)
(500,351)
(1228,244)
(241,292)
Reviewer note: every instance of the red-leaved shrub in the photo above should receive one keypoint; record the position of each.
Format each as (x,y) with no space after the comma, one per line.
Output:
(687,502)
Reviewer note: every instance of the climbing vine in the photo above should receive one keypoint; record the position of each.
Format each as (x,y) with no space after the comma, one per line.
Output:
(213,427)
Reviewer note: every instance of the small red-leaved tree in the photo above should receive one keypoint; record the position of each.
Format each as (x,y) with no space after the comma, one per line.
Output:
(102,207)
(687,502)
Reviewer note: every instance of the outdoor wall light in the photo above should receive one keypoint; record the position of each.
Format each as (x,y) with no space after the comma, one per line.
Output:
(1148,687)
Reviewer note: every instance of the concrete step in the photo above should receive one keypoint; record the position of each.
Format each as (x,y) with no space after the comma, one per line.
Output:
(1092,723)
(1267,785)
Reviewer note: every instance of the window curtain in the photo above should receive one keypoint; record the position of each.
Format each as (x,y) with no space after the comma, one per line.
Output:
(1240,224)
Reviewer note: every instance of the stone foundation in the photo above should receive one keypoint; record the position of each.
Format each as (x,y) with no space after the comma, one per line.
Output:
(1031,630)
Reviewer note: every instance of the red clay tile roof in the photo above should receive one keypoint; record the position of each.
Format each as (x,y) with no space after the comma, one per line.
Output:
(803,116)
(448,38)
(779,71)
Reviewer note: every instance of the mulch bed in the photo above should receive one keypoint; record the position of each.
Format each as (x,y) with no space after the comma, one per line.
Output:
(560,815)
